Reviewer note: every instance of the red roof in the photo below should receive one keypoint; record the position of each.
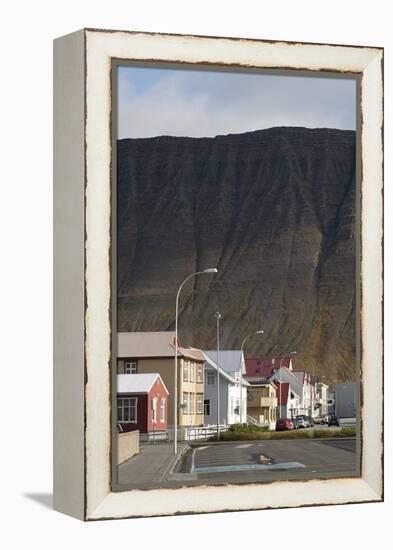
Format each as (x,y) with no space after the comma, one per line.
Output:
(282,392)
(264,367)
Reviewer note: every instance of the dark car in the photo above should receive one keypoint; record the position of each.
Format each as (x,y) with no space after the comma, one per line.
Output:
(284,424)
(333,421)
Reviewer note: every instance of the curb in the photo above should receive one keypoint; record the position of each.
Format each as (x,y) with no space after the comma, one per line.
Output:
(192,445)
(173,463)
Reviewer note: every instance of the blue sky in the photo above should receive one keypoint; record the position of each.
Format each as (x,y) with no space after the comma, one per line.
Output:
(178,102)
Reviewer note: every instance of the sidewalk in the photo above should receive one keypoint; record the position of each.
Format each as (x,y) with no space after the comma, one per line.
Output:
(153,464)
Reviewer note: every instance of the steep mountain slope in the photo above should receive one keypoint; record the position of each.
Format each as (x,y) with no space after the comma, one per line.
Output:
(274,210)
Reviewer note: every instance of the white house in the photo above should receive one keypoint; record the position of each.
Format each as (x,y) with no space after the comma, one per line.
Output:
(322,398)
(230,362)
(301,386)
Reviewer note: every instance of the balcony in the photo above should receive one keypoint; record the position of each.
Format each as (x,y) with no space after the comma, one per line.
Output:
(258,401)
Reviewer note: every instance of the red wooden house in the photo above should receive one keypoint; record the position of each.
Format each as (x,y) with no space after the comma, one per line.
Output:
(142,402)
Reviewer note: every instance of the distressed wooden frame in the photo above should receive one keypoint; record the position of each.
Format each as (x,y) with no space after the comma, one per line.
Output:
(82,251)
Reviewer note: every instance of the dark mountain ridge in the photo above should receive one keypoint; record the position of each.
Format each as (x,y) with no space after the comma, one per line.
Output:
(274,210)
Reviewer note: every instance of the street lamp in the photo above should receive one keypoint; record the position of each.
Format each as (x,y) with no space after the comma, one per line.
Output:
(209,270)
(241,373)
(218,317)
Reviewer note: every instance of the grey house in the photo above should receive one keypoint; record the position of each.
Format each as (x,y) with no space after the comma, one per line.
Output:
(230,362)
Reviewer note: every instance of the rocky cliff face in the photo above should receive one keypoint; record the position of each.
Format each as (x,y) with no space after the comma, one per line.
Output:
(274,211)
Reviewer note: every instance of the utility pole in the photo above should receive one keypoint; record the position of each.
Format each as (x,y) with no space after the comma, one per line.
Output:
(218,317)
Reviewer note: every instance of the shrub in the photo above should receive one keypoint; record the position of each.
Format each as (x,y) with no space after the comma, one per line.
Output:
(250,433)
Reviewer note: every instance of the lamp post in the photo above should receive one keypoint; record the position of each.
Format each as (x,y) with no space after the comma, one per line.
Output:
(218,317)
(241,373)
(209,270)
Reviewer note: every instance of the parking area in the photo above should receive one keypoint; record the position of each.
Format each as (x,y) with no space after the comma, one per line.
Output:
(251,461)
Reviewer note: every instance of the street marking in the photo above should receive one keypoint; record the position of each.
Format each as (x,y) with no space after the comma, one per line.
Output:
(244,467)
(245,446)
(201,448)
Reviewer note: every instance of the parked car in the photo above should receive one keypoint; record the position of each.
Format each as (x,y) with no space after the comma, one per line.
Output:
(284,424)
(308,421)
(333,421)
(299,422)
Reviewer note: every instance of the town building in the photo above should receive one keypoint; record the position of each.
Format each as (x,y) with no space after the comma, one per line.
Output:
(230,361)
(229,389)
(288,402)
(262,404)
(281,369)
(142,403)
(154,352)
(345,400)
(260,369)
(322,398)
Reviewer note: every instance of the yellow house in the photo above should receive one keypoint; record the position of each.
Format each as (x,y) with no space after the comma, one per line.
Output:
(262,403)
(154,352)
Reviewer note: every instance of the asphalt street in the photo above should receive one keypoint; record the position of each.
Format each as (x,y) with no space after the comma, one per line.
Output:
(256,461)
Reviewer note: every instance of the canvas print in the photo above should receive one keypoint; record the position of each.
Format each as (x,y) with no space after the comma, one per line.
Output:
(236,290)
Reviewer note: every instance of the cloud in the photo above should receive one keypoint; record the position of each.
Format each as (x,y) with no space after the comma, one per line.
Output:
(207,103)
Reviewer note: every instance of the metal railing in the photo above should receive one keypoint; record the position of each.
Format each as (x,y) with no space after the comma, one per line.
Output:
(203,432)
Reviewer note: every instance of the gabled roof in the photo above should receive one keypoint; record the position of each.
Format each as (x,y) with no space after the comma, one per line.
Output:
(152,344)
(295,379)
(138,383)
(230,359)
(264,367)
(213,365)
(300,374)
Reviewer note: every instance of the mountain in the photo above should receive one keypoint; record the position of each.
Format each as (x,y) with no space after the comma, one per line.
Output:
(274,210)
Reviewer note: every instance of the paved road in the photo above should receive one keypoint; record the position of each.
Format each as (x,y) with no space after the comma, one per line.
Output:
(286,459)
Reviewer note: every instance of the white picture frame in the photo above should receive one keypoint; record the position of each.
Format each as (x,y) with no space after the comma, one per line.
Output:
(82,244)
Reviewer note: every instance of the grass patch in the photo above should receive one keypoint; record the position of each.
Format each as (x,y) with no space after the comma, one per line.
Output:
(249,433)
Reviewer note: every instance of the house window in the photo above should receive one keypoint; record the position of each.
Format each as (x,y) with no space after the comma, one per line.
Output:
(192,372)
(210,378)
(154,410)
(130,367)
(206,407)
(162,409)
(199,403)
(192,403)
(186,409)
(200,372)
(127,409)
(185,370)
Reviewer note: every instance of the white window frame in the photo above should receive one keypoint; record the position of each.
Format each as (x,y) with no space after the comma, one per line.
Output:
(200,373)
(186,403)
(191,400)
(133,406)
(210,376)
(192,371)
(132,365)
(162,409)
(154,410)
(199,408)
(186,370)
